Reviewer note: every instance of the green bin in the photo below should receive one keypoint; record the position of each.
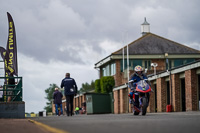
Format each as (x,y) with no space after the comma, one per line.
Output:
(98,103)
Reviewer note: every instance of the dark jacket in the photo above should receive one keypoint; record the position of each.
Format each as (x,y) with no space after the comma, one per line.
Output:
(137,78)
(69,84)
(57,96)
(11,81)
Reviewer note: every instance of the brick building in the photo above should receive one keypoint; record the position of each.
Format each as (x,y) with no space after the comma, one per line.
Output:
(174,61)
(182,91)
(144,51)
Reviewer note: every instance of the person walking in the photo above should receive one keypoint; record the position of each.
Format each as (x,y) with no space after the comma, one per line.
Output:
(11,86)
(70,90)
(57,96)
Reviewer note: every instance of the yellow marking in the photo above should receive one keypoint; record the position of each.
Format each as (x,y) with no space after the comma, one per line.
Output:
(48,128)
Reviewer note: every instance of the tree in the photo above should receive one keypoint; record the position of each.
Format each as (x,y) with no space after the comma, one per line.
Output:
(87,87)
(49,96)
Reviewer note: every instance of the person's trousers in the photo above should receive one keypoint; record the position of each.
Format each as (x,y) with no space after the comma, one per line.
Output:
(57,106)
(137,100)
(69,102)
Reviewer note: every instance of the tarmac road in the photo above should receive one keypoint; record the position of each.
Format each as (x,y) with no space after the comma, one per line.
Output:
(181,122)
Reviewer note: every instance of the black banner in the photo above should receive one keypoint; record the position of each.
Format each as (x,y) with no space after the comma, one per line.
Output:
(11,48)
(5,57)
(9,54)
(3,52)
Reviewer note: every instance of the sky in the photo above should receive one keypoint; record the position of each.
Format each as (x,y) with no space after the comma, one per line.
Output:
(59,36)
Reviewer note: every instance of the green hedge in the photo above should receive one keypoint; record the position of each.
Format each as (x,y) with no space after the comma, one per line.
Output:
(107,83)
(97,86)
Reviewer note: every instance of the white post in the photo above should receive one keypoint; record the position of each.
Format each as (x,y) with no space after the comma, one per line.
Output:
(127,64)
(127,74)
(123,59)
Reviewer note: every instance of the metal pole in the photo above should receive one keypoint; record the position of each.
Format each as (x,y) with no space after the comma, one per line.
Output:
(127,63)
(127,60)
(127,71)
(123,59)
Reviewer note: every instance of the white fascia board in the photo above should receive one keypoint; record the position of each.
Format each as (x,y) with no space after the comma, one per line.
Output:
(165,74)
(174,71)
(120,87)
(188,67)
(102,62)
(139,56)
(159,56)
(184,56)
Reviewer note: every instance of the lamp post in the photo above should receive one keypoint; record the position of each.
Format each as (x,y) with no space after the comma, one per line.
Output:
(154,65)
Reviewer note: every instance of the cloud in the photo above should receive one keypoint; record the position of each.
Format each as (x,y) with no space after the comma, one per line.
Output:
(47,28)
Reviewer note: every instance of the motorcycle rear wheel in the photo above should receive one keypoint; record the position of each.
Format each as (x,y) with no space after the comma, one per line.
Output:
(144,106)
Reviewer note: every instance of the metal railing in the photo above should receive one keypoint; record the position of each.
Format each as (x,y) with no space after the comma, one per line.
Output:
(16,90)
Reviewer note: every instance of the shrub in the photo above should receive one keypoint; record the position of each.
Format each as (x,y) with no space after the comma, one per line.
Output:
(97,86)
(107,83)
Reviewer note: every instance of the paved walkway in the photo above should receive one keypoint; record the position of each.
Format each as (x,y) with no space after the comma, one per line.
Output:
(182,122)
(25,126)
(173,122)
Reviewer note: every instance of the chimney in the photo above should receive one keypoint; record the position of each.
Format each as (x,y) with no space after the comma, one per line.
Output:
(145,27)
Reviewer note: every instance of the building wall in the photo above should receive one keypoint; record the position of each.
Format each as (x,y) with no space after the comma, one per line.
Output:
(116,102)
(123,100)
(161,64)
(79,100)
(161,95)
(151,107)
(176,93)
(118,76)
(191,90)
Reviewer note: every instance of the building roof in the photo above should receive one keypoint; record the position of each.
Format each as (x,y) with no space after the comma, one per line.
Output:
(151,44)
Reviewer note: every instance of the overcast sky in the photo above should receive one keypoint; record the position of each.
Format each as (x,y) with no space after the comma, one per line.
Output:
(59,36)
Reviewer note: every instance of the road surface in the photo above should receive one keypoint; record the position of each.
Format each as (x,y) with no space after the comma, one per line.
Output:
(181,122)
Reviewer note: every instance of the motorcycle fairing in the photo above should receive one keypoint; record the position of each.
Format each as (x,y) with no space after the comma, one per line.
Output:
(143,87)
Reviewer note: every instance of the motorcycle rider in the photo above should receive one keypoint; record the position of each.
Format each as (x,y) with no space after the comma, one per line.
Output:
(136,77)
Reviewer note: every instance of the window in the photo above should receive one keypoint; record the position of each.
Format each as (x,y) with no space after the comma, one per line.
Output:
(179,62)
(121,65)
(113,69)
(135,63)
(109,70)
(147,64)
(132,64)
(106,71)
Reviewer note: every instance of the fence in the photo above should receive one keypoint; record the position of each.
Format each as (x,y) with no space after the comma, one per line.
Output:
(15,89)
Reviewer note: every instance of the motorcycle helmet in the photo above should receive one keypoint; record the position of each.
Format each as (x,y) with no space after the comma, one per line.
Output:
(138,68)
